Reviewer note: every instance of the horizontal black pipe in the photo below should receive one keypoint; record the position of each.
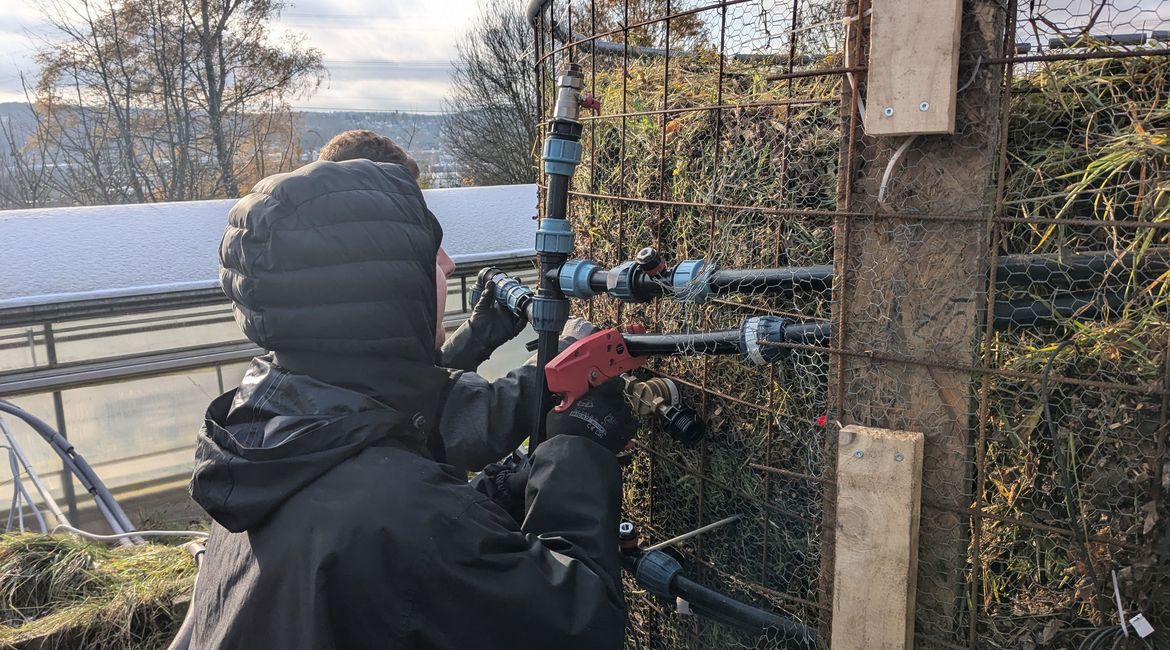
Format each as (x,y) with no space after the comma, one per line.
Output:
(742,615)
(809,278)
(717,341)
(1029,312)
(1009,314)
(684,344)
(1077,272)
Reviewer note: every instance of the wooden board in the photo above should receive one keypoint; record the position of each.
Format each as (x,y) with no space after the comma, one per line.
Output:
(913,67)
(879,489)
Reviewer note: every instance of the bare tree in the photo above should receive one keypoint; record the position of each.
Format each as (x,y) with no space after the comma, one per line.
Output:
(490,126)
(169,99)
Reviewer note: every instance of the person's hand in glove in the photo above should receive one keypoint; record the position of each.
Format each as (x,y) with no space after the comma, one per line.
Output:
(489,326)
(601,415)
(504,483)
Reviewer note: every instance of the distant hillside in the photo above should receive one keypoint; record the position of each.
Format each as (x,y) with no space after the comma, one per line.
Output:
(414,131)
(17,117)
(418,133)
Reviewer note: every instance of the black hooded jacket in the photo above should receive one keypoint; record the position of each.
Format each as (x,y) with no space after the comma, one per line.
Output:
(334,525)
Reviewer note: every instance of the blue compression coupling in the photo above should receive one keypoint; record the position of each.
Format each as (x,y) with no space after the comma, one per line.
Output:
(655,571)
(691,281)
(514,295)
(620,281)
(510,292)
(560,156)
(549,314)
(554,236)
(769,329)
(574,278)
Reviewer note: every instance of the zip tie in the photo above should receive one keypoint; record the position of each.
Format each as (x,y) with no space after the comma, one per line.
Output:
(694,533)
(1120,609)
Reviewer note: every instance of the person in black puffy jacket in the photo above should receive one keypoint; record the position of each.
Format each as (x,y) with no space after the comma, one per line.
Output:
(336,473)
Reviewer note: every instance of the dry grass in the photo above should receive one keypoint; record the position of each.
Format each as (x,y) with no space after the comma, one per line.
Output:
(68,593)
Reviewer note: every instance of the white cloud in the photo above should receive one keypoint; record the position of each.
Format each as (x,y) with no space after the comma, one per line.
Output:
(384,54)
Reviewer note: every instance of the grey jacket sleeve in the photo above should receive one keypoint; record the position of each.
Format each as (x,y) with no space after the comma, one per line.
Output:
(552,582)
(483,420)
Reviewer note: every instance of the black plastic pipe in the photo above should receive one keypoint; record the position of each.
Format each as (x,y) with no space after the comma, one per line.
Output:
(808,278)
(1082,271)
(1079,272)
(683,344)
(718,341)
(1029,312)
(742,615)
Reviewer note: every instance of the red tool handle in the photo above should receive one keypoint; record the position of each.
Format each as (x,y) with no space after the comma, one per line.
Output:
(589,362)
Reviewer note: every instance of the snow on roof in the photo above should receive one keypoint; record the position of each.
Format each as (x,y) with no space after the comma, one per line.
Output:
(48,254)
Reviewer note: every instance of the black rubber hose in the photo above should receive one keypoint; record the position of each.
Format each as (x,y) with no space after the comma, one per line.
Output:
(77,466)
(742,615)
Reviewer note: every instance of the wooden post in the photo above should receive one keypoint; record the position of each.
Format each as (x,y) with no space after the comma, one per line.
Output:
(909,294)
(879,486)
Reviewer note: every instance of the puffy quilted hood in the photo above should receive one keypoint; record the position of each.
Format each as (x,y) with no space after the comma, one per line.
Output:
(332,267)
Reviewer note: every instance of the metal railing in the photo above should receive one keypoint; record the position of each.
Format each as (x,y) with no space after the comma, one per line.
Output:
(51,349)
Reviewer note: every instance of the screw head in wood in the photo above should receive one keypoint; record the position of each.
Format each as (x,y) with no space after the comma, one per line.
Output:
(888,111)
(898,457)
(858,454)
(924,106)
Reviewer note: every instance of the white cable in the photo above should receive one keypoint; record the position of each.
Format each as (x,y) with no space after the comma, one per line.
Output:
(46,496)
(15,500)
(1120,608)
(974,73)
(137,533)
(17,490)
(890,168)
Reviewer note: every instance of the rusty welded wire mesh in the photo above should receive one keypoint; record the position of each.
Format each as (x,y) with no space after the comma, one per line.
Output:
(1001,290)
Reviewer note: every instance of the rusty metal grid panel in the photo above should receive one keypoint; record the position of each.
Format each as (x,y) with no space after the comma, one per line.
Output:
(731,131)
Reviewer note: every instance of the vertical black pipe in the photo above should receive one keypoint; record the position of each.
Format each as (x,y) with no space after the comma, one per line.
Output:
(554,235)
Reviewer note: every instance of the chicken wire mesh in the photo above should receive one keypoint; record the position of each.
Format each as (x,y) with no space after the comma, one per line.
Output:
(1001,290)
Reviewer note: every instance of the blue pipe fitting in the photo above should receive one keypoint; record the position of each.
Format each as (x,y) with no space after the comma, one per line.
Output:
(510,292)
(574,278)
(769,329)
(514,295)
(549,314)
(655,571)
(619,281)
(560,156)
(692,281)
(554,236)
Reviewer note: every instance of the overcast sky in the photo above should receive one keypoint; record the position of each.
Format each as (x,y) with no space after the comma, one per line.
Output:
(396,54)
(381,54)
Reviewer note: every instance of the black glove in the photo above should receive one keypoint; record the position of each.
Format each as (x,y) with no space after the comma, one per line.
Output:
(489,326)
(601,415)
(505,483)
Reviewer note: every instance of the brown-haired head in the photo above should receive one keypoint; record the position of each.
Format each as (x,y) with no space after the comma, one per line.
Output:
(363,143)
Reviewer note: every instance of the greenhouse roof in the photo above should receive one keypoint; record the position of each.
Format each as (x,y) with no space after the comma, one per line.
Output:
(56,254)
